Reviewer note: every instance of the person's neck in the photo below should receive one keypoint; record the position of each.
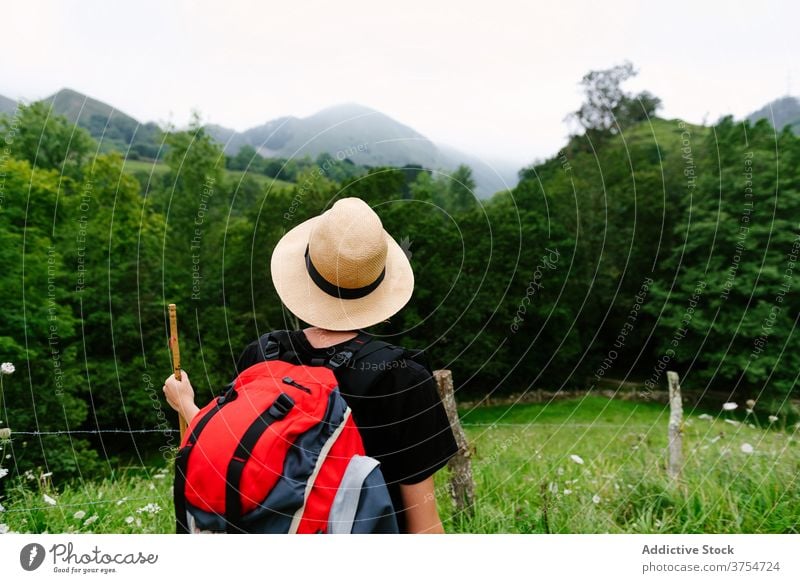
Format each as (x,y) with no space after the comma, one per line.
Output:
(321,338)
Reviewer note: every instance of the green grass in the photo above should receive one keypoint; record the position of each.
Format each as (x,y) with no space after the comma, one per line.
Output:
(526,481)
(158,169)
(122,503)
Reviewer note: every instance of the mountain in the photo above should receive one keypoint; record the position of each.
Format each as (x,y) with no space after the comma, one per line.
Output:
(490,175)
(7,105)
(350,131)
(114,129)
(780,113)
(363,135)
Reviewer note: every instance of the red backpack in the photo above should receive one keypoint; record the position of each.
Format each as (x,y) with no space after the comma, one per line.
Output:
(279,452)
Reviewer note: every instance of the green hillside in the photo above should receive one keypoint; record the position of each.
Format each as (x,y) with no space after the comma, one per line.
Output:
(113,129)
(145,168)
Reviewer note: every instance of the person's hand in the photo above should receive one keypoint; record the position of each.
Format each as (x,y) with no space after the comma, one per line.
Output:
(180,395)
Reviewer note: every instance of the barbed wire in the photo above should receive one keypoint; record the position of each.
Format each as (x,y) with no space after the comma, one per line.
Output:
(464,424)
(76,505)
(91,432)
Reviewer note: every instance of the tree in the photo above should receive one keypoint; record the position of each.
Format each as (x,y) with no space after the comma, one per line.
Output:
(246,159)
(607,107)
(46,140)
(460,196)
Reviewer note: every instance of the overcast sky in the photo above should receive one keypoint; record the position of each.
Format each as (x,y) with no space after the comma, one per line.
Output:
(493,78)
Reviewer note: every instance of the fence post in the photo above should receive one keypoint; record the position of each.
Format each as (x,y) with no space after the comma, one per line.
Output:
(461,483)
(675,431)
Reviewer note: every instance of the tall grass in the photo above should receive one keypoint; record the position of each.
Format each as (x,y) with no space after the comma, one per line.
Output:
(528,483)
(526,479)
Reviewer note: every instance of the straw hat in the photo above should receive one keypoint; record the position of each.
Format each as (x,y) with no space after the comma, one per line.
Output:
(341,270)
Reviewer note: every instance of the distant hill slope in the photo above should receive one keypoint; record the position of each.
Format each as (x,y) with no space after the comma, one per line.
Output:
(365,136)
(7,105)
(353,131)
(114,129)
(780,113)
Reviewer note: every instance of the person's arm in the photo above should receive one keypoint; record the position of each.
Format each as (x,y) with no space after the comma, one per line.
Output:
(421,514)
(180,396)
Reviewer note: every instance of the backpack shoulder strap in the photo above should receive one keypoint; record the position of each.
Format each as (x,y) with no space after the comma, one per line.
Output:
(357,365)
(361,369)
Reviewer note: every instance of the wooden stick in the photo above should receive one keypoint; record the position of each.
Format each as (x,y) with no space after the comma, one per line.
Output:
(176,356)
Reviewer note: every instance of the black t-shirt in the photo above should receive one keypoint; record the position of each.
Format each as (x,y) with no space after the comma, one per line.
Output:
(402,421)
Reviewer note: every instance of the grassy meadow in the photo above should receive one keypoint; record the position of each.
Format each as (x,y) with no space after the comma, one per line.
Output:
(587,465)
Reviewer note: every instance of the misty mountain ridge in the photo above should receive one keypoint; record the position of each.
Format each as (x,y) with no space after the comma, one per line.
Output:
(7,105)
(782,112)
(365,136)
(351,131)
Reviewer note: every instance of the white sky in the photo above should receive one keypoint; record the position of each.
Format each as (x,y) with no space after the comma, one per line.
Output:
(492,78)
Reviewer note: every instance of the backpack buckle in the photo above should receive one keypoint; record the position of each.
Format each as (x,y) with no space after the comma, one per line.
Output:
(281,407)
(340,358)
(229,395)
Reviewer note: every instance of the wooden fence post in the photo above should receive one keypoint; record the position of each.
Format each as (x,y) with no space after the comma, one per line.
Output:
(675,431)
(461,482)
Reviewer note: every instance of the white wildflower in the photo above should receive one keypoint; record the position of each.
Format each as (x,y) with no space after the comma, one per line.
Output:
(560,471)
(46,475)
(159,476)
(151,508)
(746,448)
(751,404)
(553,487)
(577,459)
(79,515)
(772,418)
(49,500)
(122,501)
(90,520)
(3,528)
(567,491)
(7,368)
(729,406)
(129,520)
(2,508)
(138,522)
(596,499)
(732,421)
(3,472)
(706,417)
(715,439)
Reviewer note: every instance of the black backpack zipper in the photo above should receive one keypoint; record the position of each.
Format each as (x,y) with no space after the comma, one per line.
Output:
(295,384)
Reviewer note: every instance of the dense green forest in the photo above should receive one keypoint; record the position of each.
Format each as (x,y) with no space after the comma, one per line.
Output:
(644,245)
